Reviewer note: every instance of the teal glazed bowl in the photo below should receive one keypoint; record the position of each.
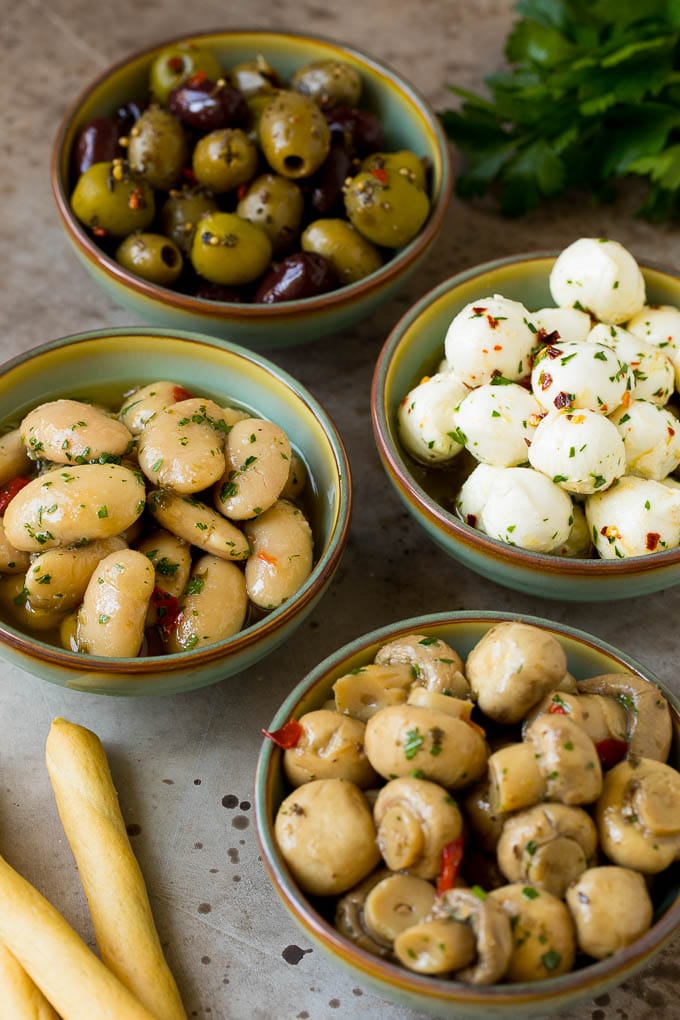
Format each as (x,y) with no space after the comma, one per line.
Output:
(108,363)
(408,121)
(413,349)
(586,656)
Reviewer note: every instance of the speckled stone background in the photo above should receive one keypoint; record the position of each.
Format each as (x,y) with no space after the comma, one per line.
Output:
(184,765)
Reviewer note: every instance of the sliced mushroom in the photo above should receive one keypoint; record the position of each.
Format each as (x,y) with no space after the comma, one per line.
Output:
(349,915)
(512,668)
(436,665)
(415,819)
(638,815)
(491,928)
(436,946)
(542,930)
(549,845)
(457,707)
(591,900)
(649,729)
(331,746)
(396,903)
(367,689)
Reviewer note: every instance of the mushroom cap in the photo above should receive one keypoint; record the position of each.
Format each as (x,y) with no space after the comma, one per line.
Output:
(543,932)
(437,666)
(650,730)
(395,903)
(331,747)
(435,946)
(567,758)
(349,915)
(415,819)
(601,894)
(368,689)
(491,927)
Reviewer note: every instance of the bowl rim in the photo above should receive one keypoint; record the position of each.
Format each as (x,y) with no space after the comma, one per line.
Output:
(464,534)
(265,628)
(612,969)
(231,310)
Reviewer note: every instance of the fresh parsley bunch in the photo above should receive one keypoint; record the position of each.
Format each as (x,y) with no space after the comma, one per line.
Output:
(592,93)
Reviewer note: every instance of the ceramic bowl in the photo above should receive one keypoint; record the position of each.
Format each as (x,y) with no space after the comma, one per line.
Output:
(109,362)
(413,349)
(586,656)
(408,122)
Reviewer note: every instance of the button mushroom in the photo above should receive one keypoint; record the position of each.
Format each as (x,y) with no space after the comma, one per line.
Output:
(549,845)
(491,928)
(602,718)
(331,746)
(349,915)
(457,707)
(397,902)
(542,930)
(415,819)
(513,667)
(649,726)
(367,689)
(485,821)
(436,665)
(638,815)
(436,946)
(590,901)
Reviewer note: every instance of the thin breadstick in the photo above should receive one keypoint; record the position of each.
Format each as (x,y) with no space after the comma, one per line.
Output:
(112,879)
(68,974)
(20,997)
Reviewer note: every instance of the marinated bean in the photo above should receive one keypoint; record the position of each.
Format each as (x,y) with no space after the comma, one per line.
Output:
(297,478)
(72,432)
(282,554)
(171,560)
(143,403)
(12,561)
(302,275)
(198,524)
(111,618)
(74,504)
(257,455)
(24,616)
(56,580)
(181,447)
(207,105)
(13,457)
(213,608)
(233,414)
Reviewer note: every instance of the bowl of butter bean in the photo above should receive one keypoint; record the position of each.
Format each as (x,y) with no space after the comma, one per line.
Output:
(265,187)
(476,814)
(170,510)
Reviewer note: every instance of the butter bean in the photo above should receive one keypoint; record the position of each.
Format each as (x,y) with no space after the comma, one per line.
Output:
(257,456)
(12,561)
(297,478)
(72,432)
(13,457)
(57,579)
(112,616)
(182,446)
(20,612)
(198,524)
(143,403)
(282,554)
(214,606)
(171,560)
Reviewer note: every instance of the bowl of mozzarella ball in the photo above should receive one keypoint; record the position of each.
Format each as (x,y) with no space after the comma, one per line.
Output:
(526,412)
(499,787)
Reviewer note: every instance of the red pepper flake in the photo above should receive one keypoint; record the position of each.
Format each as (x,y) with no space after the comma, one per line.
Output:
(175,64)
(652,540)
(562,400)
(99,231)
(179,393)
(545,379)
(196,79)
(493,322)
(136,199)
(478,310)
(471,519)
(287,736)
(553,352)
(452,857)
(477,727)
(9,491)
(611,751)
(557,709)
(498,347)
(188,175)
(241,191)
(380,174)
(266,558)
(168,608)
(671,432)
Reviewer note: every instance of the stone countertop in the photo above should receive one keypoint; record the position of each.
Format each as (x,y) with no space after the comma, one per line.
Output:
(184,765)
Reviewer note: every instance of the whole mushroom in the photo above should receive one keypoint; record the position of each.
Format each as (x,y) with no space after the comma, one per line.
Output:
(542,930)
(415,819)
(491,928)
(591,899)
(436,946)
(649,728)
(331,746)
(436,665)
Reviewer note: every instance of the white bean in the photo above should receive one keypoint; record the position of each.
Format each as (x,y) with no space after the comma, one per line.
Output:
(12,561)
(282,554)
(72,432)
(198,524)
(257,456)
(13,457)
(171,559)
(182,446)
(143,403)
(56,579)
(214,606)
(112,616)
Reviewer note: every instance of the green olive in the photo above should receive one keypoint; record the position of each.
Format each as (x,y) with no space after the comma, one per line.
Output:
(328,83)
(182,211)
(111,200)
(223,159)
(253,77)
(294,135)
(350,254)
(387,209)
(404,162)
(177,63)
(275,204)
(158,148)
(256,104)
(229,250)
(151,256)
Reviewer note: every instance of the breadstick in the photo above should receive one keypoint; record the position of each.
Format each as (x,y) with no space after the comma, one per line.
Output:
(113,882)
(68,974)
(21,999)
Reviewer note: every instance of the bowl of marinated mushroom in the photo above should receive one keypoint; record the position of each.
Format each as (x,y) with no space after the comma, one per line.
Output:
(170,510)
(260,186)
(526,411)
(456,806)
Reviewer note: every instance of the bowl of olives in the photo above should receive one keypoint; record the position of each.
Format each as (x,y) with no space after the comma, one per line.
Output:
(462,847)
(263,187)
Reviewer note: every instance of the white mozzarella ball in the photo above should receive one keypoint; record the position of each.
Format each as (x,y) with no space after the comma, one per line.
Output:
(425,418)
(660,325)
(652,370)
(496,423)
(570,374)
(581,451)
(526,509)
(491,336)
(598,276)
(635,517)
(651,438)
(570,323)
(578,545)
(474,493)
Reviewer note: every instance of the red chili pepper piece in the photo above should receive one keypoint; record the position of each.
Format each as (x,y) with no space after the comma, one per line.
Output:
(179,393)
(287,736)
(452,856)
(380,174)
(611,751)
(557,709)
(197,78)
(9,491)
(477,727)
(99,231)
(188,175)
(168,609)
(241,191)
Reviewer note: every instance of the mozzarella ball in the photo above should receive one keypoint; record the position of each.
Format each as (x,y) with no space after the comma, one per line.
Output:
(599,276)
(580,450)
(653,372)
(425,418)
(578,545)
(569,323)
(474,493)
(651,437)
(489,337)
(497,423)
(572,374)
(635,517)
(526,509)
(660,325)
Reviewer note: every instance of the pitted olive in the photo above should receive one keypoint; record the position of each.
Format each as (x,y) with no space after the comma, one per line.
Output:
(275,204)
(230,250)
(110,200)
(224,159)
(208,105)
(404,162)
(293,134)
(328,83)
(177,63)
(182,213)
(253,77)
(151,256)
(351,255)
(386,207)
(158,148)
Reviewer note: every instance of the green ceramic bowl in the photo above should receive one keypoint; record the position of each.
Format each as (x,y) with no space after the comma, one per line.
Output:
(408,122)
(413,349)
(586,656)
(112,361)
